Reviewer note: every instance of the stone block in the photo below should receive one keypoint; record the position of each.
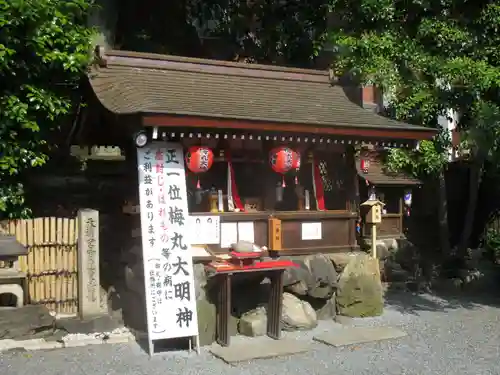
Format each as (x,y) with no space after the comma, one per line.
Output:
(89,299)
(40,344)
(207,320)
(200,280)
(253,323)
(83,342)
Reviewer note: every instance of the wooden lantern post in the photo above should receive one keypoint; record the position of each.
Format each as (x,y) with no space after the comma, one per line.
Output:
(373,216)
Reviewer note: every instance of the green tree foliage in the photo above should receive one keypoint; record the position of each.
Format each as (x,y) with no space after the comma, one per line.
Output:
(429,56)
(44,50)
(267,31)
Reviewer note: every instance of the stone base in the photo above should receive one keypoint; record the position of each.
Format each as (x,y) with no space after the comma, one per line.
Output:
(261,348)
(27,322)
(358,335)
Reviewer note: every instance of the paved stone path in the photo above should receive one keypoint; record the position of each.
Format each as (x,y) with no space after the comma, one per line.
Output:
(444,337)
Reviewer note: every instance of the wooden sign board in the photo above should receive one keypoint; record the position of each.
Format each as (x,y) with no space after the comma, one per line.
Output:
(97,152)
(274,235)
(166,244)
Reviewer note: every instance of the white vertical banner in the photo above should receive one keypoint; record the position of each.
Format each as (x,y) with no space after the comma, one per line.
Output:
(166,242)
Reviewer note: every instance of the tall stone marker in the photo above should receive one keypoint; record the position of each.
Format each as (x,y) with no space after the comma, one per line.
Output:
(89,298)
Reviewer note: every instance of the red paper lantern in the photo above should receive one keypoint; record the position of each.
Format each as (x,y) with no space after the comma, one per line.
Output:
(199,159)
(284,159)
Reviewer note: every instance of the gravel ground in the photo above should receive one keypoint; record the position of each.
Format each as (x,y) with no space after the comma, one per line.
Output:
(444,337)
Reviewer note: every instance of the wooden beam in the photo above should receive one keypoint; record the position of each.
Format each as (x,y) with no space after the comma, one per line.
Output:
(230,124)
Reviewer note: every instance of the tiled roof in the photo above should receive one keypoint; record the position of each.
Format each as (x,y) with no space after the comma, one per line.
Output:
(130,82)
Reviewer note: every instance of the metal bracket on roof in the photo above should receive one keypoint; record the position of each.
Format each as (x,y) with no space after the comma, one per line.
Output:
(100,54)
(155,133)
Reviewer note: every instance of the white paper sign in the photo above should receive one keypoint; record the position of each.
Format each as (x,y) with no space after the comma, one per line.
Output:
(228,234)
(166,242)
(311,231)
(246,231)
(205,230)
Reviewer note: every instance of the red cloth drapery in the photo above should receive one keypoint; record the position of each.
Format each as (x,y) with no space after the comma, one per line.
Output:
(233,198)
(319,192)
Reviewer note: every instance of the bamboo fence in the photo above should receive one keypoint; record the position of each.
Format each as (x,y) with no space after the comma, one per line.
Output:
(51,263)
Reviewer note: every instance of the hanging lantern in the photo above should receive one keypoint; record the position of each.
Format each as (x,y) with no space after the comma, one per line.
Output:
(199,159)
(284,159)
(408,198)
(372,194)
(364,165)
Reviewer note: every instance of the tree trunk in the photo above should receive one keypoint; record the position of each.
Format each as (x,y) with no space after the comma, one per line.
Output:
(104,18)
(475,175)
(444,232)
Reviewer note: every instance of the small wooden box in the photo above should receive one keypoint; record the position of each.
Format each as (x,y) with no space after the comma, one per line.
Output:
(274,236)
(252,204)
(373,211)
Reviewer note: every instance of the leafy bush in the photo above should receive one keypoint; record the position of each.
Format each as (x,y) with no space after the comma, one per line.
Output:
(45,50)
(492,244)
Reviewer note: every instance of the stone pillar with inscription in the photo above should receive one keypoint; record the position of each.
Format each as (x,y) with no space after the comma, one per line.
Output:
(89,299)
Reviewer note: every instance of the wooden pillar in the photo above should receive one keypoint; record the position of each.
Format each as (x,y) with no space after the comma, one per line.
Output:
(89,286)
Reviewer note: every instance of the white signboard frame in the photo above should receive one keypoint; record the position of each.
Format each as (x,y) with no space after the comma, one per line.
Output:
(205,229)
(166,246)
(311,231)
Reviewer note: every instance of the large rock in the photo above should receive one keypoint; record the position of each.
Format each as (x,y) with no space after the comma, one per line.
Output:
(391,243)
(247,296)
(407,255)
(297,315)
(383,251)
(207,320)
(324,275)
(315,277)
(254,322)
(200,281)
(326,310)
(393,272)
(340,260)
(297,280)
(133,310)
(134,277)
(360,292)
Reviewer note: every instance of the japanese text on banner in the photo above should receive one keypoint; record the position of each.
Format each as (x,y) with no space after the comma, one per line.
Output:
(166,244)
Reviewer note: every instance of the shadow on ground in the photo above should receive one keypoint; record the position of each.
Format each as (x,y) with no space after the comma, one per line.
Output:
(414,303)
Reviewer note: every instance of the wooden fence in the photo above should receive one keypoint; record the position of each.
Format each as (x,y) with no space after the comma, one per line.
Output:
(51,263)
